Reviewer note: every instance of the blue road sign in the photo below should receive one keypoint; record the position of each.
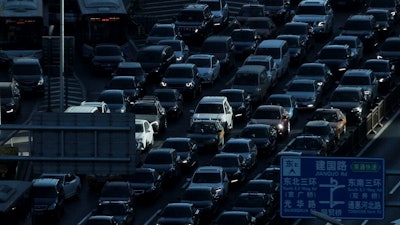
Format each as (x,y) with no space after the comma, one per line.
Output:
(339,187)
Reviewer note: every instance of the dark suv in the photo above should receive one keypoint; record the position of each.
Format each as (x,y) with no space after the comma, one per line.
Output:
(150,109)
(155,59)
(48,197)
(222,48)
(363,26)
(183,77)
(195,23)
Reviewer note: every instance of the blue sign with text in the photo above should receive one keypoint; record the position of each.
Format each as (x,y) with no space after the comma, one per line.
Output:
(339,187)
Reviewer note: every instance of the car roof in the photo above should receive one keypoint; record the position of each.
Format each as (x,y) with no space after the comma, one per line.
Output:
(209,169)
(271,43)
(251,69)
(360,17)
(195,6)
(302,81)
(238,140)
(218,38)
(348,88)
(313,2)
(177,139)
(129,65)
(289,36)
(232,90)
(5,84)
(358,72)
(257,126)
(266,107)
(330,46)
(182,65)
(201,56)
(45,181)
(258,58)
(317,123)
(345,37)
(213,99)
(25,60)
(162,150)
(152,48)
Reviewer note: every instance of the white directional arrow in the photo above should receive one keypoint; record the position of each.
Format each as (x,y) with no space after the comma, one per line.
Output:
(396,222)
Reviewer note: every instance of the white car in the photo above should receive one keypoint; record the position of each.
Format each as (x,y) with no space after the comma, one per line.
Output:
(208,65)
(102,106)
(71,183)
(214,108)
(144,134)
(211,176)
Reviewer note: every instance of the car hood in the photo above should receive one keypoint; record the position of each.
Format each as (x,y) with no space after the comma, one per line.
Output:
(199,204)
(207,116)
(381,74)
(203,136)
(114,199)
(345,105)
(317,78)
(155,40)
(43,201)
(141,186)
(273,8)
(148,66)
(115,107)
(186,24)
(389,54)
(309,18)
(332,63)
(355,32)
(204,70)
(243,44)
(158,167)
(254,211)
(301,94)
(167,105)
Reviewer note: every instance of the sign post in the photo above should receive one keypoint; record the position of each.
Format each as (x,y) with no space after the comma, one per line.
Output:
(338,187)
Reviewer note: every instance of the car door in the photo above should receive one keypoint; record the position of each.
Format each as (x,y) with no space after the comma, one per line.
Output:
(216,67)
(71,184)
(148,132)
(68,191)
(228,114)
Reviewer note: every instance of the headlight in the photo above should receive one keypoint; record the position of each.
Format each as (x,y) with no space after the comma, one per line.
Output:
(367,92)
(379,57)
(393,13)
(52,206)
(367,36)
(320,83)
(381,80)
(321,24)
(41,81)
(342,69)
(385,28)
(179,58)
(280,126)
(163,84)
(196,30)
(356,109)
(189,84)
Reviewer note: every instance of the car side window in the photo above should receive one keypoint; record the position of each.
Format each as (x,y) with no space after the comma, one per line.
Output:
(263,77)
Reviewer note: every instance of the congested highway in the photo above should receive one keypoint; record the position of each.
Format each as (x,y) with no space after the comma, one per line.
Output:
(76,211)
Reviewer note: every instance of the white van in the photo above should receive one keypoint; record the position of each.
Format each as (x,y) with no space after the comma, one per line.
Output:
(279,50)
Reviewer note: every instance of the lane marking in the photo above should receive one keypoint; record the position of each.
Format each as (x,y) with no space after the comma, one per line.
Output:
(152,217)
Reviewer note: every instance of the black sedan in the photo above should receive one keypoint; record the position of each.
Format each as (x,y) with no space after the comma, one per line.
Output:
(308,145)
(245,40)
(233,164)
(186,148)
(203,198)
(239,99)
(146,184)
(322,128)
(171,100)
(383,71)
(106,58)
(122,212)
(132,88)
(208,134)
(263,135)
(235,218)
(257,204)
(116,100)
(179,214)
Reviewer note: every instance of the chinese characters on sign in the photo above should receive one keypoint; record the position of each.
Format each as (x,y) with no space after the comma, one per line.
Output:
(340,187)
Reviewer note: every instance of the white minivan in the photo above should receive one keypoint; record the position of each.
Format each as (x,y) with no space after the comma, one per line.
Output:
(279,50)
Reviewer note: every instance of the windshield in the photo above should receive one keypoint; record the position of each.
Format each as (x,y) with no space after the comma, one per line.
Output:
(214,47)
(224,161)
(267,114)
(260,188)
(175,45)
(129,71)
(257,202)
(148,56)
(142,178)
(158,158)
(44,192)
(295,29)
(259,63)
(357,25)
(107,51)
(209,108)
(314,10)
(254,133)
(214,5)
(232,220)
(317,130)
(242,36)
(145,109)
(273,2)
(115,191)
(205,63)
(165,96)
(197,195)
(257,24)
(190,16)
(122,84)
(176,212)
(285,102)
(179,146)
(382,3)
(203,128)
(206,178)
(301,87)
(391,46)
(355,80)
(138,128)
(111,98)
(161,32)
(110,209)
(377,67)
(292,42)
(327,116)
(332,54)
(245,79)
(350,43)
(305,144)
(379,16)
(273,52)
(26,69)
(251,12)
(310,71)
(236,148)
(233,97)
